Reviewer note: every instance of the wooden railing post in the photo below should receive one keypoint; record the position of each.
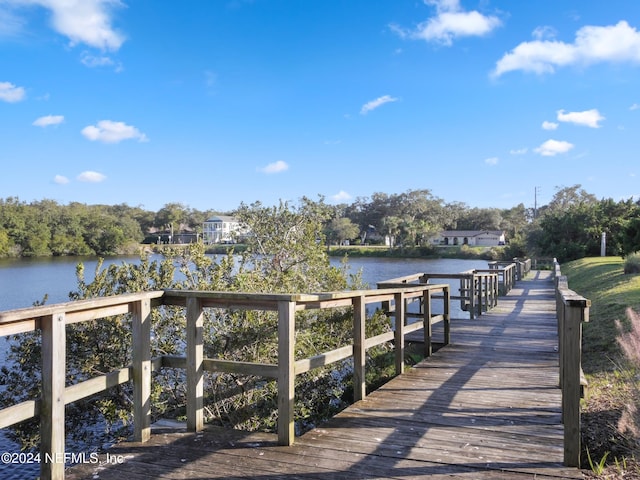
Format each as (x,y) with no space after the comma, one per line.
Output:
(485,286)
(472,296)
(359,351)
(508,278)
(478,280)
(560,282)
(52,407)
(571,310)
(286,372)
(427,327)
(495,289)
(195,366)
(399,331)
(575,312)
(141,360)
(447,315)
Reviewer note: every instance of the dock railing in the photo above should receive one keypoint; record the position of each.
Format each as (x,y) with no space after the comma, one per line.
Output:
(479,288)
(572,310)
(52,320)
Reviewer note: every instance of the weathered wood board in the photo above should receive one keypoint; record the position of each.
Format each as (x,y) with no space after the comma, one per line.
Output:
(485,407)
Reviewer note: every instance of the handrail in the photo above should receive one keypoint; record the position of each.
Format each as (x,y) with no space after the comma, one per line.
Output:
(52,321)
(572,310)
(479,288)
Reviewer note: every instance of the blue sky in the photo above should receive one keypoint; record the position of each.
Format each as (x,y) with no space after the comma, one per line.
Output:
(213,103)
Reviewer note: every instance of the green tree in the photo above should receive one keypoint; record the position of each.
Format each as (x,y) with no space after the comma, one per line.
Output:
(172,216)
(480,219)
(391,227)
(631,236)
(342,229)
(5,243)
(515,220)
(285,249)
(285,253)
(47,228)
(616,222)
(567,197)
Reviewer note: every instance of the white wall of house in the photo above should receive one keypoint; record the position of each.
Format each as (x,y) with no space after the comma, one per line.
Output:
(221,229)
(490,239)
(482,238)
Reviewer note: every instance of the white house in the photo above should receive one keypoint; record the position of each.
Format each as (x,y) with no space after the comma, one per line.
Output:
(221,229)
(479,238)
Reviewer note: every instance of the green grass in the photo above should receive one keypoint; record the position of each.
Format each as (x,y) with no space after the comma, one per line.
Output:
(463,251)
(608,450)
(611,291)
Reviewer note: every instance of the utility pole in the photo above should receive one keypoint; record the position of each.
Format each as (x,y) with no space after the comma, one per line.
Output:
(535,202)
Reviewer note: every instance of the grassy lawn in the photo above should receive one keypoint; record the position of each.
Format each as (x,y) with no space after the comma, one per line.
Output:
(431,251)
(613,382)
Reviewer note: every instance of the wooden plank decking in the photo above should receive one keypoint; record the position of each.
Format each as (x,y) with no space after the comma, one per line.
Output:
(486,406)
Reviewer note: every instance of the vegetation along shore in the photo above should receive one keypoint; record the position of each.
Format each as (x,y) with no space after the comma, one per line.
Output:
(288,252)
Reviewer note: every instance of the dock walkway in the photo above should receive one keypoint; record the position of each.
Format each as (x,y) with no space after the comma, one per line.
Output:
(485,407)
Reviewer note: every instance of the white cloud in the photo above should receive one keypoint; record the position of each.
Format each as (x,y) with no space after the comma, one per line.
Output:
(519,151)
(450,22)
(60,180)
(83,21)
(341,196)
(10,93)
(48,120)
(275,167)
(91,177)
(378,102)
(549,125)
(593,44)
(635,106)
(544,32)
(93,61)
(551,148)
(589,118)
(108,131)
(492,161)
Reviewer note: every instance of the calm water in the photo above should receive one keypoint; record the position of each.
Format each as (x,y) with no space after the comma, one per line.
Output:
(25,281)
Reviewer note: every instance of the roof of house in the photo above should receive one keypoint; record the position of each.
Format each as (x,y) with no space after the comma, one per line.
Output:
(470,233)
(222,218)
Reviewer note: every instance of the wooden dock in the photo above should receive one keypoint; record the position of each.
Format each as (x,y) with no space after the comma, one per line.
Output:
(486,406)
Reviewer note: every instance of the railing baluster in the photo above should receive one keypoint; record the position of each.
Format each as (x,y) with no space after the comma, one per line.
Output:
(141,360)
(573,317)
(478,281)
(195,368)
(286,371)
(399,331)
(572,309)
(427,327)
(52,407)
(359,351)
(447,315)
(472,297)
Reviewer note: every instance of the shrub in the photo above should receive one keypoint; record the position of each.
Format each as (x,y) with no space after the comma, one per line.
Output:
(632,263)
(629,341)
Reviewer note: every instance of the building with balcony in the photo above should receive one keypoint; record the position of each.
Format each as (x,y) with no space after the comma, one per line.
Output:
(222,229)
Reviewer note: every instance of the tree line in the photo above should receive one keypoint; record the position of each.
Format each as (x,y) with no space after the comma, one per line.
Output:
(570,226)
(45,228)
